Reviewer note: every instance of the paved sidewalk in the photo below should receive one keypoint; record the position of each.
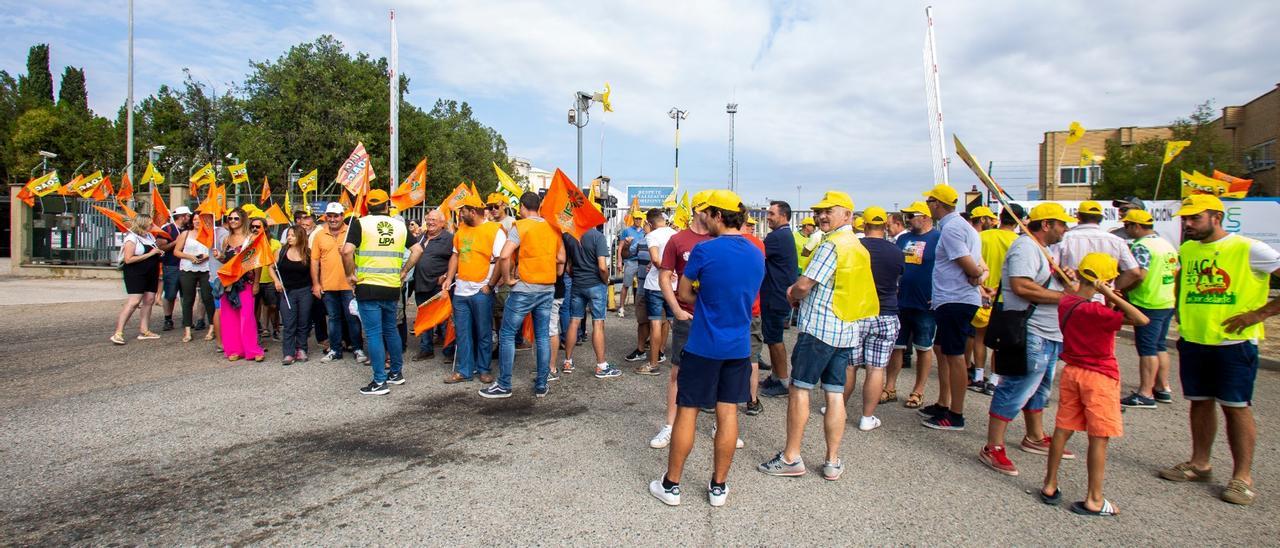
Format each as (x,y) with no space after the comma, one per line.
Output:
(15,290)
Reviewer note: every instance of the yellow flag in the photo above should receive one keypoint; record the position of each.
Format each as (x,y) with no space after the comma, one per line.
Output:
(683,213)
(239,173)
(151,175)
(670,201)
(604,98)
(288,204)
(44,184)
(1173,148)
(87,184)
(308,182)
(591,196)
(1075,132)
(203,176)
(1087,158)
(506,183)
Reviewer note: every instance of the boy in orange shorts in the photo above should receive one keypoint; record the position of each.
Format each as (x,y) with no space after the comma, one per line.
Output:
(1090,383)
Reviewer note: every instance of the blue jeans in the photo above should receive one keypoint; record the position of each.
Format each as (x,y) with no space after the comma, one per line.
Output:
(337,305)
(1028,393)
(564,308)
(379,319)
(520,304)
(473,324)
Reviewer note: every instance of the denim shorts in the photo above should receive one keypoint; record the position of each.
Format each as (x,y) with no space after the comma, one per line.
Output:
(917,329)
(1150,338)
(656,306)
(170,282)
(704,382)
(679,336)
(1028,393)
(772,323)
(814,362)
(596,297)
(1223,373)
(955,326)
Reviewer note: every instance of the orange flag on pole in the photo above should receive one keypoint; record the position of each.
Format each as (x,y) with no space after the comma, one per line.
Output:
(526,330)
(159,210)
(413,190)
(275,216)
(104,190)
(126,188)
(116,218)
(434,311)
(567,209)
(266,191)
(128,211)
(450,334)
(204,229)
(27,197)
(454,200)
(256,254)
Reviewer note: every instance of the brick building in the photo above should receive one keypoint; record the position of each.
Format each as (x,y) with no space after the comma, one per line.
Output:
(1253,130)
(1074,182)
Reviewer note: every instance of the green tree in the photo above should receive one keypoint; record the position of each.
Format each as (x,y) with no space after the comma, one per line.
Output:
(1132,170)
(72,95)
(8,115)
(36,87)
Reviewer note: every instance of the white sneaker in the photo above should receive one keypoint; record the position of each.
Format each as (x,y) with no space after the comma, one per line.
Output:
(717,496)
(361,357)
(661,440)
(669,497)
(621,313)
(713,435)
(867,424)
(823,411)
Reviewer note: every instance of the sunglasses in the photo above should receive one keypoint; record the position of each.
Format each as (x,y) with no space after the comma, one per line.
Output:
(908,216)
(236,219)
(931,201)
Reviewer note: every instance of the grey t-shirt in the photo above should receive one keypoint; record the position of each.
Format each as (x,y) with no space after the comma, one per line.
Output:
(1026,261)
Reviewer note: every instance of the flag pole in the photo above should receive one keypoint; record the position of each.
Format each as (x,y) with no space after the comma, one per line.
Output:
(394,79)
(1159,178)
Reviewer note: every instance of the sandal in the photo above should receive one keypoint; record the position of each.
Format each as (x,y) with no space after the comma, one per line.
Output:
(233,358)
(186,335)
(888,396)
(118,338)
(145,335)
(1052,500)
(209,336)
(567,367)
(1107,510)
(914,401)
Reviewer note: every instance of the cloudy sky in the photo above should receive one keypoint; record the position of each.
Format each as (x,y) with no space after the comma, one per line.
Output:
(830,94)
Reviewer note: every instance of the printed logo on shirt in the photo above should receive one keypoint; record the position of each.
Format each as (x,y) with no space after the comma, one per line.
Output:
(1212,284)
(914,252)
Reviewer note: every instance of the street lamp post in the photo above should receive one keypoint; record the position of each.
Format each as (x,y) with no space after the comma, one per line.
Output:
(677,114)
(732,109)
(45,156)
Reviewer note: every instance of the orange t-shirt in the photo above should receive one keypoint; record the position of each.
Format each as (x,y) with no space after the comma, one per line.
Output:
(755,306)
(327,251)
(475,250)
(539,244)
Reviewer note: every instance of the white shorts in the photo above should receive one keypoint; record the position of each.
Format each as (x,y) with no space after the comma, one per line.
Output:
(554,329)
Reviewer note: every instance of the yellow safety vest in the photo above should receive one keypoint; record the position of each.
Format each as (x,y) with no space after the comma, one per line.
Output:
(1217,283)
(380,255)
(854,296)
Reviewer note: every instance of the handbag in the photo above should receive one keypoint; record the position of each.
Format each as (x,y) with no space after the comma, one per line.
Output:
(1007,336)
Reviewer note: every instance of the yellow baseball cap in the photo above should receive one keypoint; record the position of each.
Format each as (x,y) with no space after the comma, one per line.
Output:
(834,198)
(1138,216)
(1090,207)
(859,224)
(982,211)
(875,215)
(1051,210)
(918,208)
(376,197)
(471,200)
(495,199)
(1097,267)
(699,198)
(722,199)
(751,220)
(1197,203)
(943,193)
(637,214)
(808,221)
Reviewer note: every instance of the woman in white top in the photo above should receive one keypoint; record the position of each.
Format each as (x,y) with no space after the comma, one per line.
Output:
(140,261)
(193,278)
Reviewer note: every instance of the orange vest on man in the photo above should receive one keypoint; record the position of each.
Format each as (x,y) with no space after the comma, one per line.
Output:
(536,258)
(475,250)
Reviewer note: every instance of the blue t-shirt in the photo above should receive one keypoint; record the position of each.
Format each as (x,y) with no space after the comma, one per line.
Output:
(886,268)
(728,270)
(634,252)
(915,290)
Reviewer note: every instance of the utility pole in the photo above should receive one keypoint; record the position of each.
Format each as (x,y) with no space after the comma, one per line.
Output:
(394,77)
(128,147)
(732,109)
(677,114)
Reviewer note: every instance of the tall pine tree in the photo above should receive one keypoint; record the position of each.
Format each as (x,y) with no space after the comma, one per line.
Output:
(36,87)
(73,96)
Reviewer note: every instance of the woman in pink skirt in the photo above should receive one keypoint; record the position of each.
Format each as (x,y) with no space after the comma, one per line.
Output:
(239,329)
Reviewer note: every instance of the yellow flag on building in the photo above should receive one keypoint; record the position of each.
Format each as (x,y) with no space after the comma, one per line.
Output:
(604,98)
(1173,148)
(1074,132)
(239,173)
(203,176)
(151,175)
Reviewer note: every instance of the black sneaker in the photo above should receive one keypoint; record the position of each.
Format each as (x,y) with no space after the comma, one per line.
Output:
(540,392)
(932,410)
(989,389)
(1139,401)
(662,357)
(976,386)
(493,391)
(395,378)
(1163,396)
(754,408)
(375,389)
(945,421)
(636,356)
(168,324)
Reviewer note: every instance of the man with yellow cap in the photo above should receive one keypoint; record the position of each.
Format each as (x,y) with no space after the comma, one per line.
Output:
(807,240)
(373,257)
(716,363)
(631,257)
(1222,302)
(958,274)
(329,284)
(915,315)
(995,246)
(1155,296)
(496,211)
(1029,291)
(1088,237)
(835,291)
(1090,381)
(477,245)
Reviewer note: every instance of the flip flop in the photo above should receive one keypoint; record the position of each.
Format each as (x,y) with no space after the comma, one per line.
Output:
(1107,510)
(1051,500)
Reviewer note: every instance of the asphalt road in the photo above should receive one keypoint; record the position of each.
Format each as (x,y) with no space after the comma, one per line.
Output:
(161,442)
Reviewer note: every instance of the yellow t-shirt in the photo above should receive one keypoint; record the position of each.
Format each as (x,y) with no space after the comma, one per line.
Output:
(265,277)
(995,246)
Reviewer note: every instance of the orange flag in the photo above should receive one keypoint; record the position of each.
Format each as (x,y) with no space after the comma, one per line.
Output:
(126,188)
(361,208)
(104,190)
(256,254)
(449,334)
(1235,185)
(116,218)
(266,191)
(413,190)
(526,330)
(433,312)
(128,211)
(65,190)
(344,200)
(159,210)
(567,209)
(275,216)
(27,196)
(204,229)
(456,197)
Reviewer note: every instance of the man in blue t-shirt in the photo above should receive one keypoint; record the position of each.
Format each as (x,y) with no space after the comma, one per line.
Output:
(588,260)
(715,367)
(915,294)
(630,259)
(878,334)
(780,272)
